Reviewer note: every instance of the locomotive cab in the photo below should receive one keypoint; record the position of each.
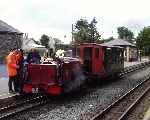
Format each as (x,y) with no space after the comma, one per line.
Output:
(91,56)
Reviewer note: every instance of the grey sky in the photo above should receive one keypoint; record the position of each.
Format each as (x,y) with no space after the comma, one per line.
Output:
(54,17)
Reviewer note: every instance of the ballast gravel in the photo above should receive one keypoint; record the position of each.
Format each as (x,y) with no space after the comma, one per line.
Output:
(75,106)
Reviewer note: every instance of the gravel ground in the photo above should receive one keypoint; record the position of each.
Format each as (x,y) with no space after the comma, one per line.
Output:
(71,106)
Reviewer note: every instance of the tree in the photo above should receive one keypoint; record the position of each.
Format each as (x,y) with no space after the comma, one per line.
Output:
(143,40)
(44,40)
(109,39)
(37,42)
(82,30)
(86,32)
(94,34)
(125,33)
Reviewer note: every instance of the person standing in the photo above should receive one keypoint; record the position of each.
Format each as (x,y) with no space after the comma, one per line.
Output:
(12,66)
(33,57)
(20,70)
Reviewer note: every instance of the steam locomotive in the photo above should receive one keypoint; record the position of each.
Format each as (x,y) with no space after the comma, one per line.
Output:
(88,61)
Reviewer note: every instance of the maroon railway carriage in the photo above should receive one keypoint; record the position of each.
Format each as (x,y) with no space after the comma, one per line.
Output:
(99,60)
(54,77)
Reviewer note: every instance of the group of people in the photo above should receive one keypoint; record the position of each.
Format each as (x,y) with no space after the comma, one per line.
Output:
(15,63)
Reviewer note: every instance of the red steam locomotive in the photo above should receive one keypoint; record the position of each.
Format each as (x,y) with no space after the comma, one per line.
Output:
(68,73)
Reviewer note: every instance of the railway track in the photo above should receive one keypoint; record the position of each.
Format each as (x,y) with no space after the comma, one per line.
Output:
(15,108)
(119,109)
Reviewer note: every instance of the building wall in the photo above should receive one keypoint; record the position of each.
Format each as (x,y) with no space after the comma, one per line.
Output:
(130,54)
(9,41)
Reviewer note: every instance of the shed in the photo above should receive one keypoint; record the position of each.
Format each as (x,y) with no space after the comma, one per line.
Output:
(9,38)
(130,50)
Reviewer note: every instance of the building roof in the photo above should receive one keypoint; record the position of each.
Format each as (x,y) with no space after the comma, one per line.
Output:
(28,43)
(96,44)
(118,42)
(5,28)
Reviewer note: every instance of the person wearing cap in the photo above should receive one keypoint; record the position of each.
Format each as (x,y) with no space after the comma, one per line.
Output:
(11,65)
(33,57)
(20,70)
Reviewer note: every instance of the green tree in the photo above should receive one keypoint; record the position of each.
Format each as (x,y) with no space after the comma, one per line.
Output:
(86,32)
(109,39)
(44,40)
(94,34)
(81,31)
(125,33)
(143,40)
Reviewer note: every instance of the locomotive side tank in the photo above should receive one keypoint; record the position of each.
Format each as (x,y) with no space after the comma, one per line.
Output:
(42,77)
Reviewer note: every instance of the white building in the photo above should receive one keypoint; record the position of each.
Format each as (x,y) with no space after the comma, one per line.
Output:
(29,43)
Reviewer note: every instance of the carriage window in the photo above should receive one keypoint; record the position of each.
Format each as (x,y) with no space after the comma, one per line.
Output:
(78,52)
(87,53)
(109,55)
(96,52)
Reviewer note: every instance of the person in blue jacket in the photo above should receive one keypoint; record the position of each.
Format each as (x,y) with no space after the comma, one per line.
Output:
(33,57)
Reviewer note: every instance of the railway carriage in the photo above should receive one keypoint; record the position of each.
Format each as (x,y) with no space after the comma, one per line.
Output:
(99,60)
(66,74)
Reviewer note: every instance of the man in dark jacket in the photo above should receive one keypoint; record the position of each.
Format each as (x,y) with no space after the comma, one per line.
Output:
(20,71)
(33,57)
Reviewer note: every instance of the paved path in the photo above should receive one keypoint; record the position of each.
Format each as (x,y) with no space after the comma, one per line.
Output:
(126,64)
(3,79)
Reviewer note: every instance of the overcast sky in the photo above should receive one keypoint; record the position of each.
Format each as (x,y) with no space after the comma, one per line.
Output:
(54,17)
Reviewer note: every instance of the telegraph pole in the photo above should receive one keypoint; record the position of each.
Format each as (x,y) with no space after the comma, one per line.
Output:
(72,33)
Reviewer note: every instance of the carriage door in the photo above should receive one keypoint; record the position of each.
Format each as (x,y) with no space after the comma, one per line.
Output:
(108,60)
(97,61)
(87,59)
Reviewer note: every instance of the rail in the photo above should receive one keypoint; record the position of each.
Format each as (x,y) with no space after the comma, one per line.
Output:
(121,107)
(13,109)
